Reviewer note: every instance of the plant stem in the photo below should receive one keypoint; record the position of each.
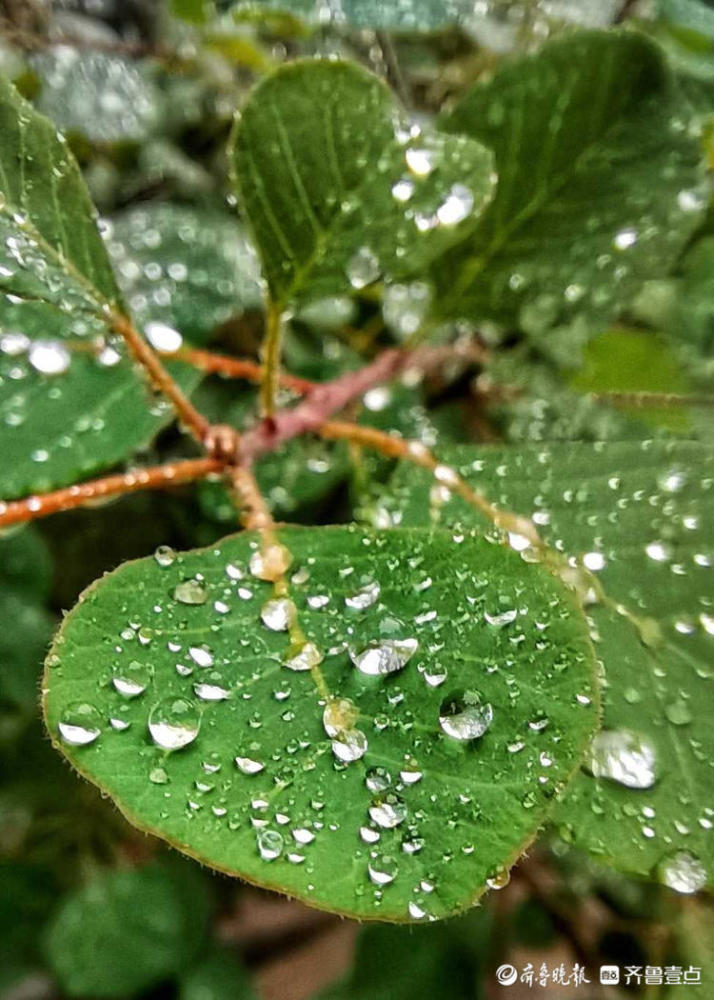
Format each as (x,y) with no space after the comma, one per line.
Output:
(414,451)
(187,413)
(159,476)
(272,346)
(221,364)
(249,500)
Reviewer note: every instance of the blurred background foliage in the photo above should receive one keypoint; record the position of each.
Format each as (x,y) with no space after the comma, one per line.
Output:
(146,91)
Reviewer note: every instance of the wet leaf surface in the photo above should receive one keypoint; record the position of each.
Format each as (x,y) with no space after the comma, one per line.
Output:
(341,189)
(599,184)
(460,698)
(638,516)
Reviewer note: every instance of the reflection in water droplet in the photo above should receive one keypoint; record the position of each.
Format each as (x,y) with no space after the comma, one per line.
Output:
(383,656)
(388,811)
(270,844)
(682,872)
(382,869)
(623,756)
(80,724)
(365,597)
(174,723)
(278,614)
(363,268)
(249,766)
(302,656)
(270,563)
(464,716)
(131,679)
(349,745)
(164,556)
(190,592)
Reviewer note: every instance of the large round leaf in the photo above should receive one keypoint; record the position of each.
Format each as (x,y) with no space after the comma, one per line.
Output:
(416,823)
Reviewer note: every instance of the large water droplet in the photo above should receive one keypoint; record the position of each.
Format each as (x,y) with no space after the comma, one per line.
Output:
(278,614)
(349,745)
(382,869)
(383,656)
(682,872)
(191,592)
(365,597)
(174,723)
(131,679)
(623,756)
(80,724)
(302,656)
(270,844)
(363,268)
(464,716)
(388,811)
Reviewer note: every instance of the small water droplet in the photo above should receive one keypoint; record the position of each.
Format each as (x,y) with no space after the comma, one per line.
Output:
(624,757)
(383,656)
(174,723)
(190,592)
(464,716)
(80,724)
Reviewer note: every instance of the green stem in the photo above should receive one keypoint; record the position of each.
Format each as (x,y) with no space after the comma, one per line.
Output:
(272,346)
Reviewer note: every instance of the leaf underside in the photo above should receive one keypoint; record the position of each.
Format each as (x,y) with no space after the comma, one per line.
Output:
(465,809)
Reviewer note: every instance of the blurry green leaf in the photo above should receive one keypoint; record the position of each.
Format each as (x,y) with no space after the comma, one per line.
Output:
(103,96)
(217,976)
(378,808)
(638,515)
(418,963)
(599,184)
(631,361)
(188,268)
(27,898)
(124,932)
(25,575)
(694,15)
(194,11)
(338,187)
(694,310)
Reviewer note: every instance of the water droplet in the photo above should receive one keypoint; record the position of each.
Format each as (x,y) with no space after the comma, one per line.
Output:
(678,712)
(211,692)
(456,206)
(623,756)
(201,655)
(383,656)
(190,592)
(278,614)
(377,779)
(174,723)
(164,556)
(388,811)
(420,160)
(131,679)
(270,563)
(249,766)
(49,357)
(682,872)
(163,337)
(339,714)
(383,869)
(502,618)
(302,656)
(363,268)
(349,745)
(80,724)
(270,844)
(365,597)
(464,716)
(625,238)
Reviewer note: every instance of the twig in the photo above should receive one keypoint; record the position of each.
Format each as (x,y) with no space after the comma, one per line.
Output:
(221,364)
(323,401)
(194,421)
(160,476)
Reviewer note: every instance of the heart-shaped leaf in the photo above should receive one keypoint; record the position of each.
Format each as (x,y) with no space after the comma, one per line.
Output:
(637,517)
(386,761)
(341,189)
(599,183)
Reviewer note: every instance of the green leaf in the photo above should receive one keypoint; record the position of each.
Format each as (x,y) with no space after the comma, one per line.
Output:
(599,184)
(307,811)
(322,160)
(25,575)
(638,514)
(100,95)
(421,15)
(189,268)
(124,932)
(217,976)
(415,963)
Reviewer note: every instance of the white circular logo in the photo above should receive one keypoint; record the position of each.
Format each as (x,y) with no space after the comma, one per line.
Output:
(506,975)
